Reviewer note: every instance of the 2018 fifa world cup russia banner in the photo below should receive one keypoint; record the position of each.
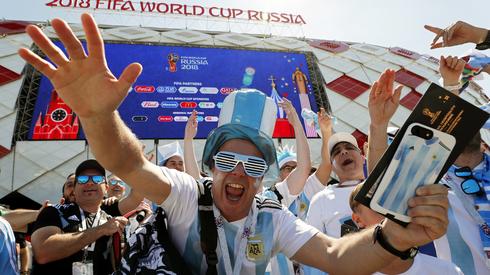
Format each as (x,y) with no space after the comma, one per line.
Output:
(177,80)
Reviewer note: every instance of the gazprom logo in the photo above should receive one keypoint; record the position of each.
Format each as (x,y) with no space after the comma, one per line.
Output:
(166,89)
(169,104)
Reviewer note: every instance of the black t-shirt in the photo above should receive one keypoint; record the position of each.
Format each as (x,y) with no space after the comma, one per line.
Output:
(67,217)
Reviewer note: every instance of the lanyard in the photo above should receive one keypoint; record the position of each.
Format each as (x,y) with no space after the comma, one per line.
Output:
(246,230)
(465,199)
(84,227)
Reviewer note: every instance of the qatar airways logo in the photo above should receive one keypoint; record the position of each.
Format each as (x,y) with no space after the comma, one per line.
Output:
(144,89)
(227,90)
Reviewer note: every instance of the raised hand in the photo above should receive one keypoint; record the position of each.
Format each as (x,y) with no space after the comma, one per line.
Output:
(451,68)
(325,122)
(191,126)
(291,113)
(456,34)
(383,100)
(83,81)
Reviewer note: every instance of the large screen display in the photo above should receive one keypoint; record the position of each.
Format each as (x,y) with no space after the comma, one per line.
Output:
(177,80)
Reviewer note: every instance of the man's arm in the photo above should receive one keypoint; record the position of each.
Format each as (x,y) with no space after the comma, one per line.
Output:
(130,202)
(457,34)
(50,244)
(325,168)
(191,166)
(383,102)
(342,256)
(86,84)
(297,178)
(20,218)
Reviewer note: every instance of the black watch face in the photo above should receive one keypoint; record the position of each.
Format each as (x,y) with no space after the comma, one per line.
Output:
(58,115)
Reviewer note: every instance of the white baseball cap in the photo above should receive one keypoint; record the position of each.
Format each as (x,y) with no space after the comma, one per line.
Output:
(341,137)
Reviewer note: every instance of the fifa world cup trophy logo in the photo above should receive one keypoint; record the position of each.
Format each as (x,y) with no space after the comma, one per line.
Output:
(172,62)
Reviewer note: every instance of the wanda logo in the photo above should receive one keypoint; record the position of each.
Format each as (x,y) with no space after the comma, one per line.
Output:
(144,89)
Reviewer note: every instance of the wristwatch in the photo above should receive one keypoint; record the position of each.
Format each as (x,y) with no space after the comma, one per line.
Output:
(404,255)
(485,44)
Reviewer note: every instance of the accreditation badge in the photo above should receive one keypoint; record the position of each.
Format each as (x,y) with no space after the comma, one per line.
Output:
(255,248)
(82,268)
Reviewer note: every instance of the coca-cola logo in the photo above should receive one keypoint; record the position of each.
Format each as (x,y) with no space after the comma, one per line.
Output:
(144,89)
(165,119)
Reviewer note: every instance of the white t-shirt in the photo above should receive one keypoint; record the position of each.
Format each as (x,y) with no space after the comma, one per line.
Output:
(330,208)
(298,205)
(276,230)
(462,244)
(428,265)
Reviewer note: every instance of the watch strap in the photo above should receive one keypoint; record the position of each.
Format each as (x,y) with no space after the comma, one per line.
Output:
(404,255)
(485,44)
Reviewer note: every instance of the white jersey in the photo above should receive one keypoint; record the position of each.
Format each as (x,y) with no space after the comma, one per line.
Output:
(428,265)
(276,229)
(298,205)
(330,208)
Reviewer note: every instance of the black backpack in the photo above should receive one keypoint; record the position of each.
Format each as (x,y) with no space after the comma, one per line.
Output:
(149,250)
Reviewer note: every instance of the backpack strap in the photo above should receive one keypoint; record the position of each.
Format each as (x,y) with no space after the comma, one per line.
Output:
(208,232)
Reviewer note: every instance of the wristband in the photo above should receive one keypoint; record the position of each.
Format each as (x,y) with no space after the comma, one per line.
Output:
(485,44)
(404,255)
(453,87)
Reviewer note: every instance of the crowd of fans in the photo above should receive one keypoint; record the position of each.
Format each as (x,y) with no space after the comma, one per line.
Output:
(306,223)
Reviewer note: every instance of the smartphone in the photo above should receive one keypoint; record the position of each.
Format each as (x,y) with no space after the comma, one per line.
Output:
(418,160)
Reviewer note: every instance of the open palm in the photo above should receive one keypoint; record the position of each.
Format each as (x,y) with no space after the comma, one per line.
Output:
(83,81)
(383,101)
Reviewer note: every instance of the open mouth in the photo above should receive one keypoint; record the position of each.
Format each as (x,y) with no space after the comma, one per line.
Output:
(347,162)
(234,191)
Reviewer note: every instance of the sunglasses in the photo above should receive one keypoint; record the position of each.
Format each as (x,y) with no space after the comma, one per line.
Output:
(114,182)
(470,184)
(227,161)
(95,179)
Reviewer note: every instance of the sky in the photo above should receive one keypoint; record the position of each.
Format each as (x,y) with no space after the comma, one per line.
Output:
(380,22)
